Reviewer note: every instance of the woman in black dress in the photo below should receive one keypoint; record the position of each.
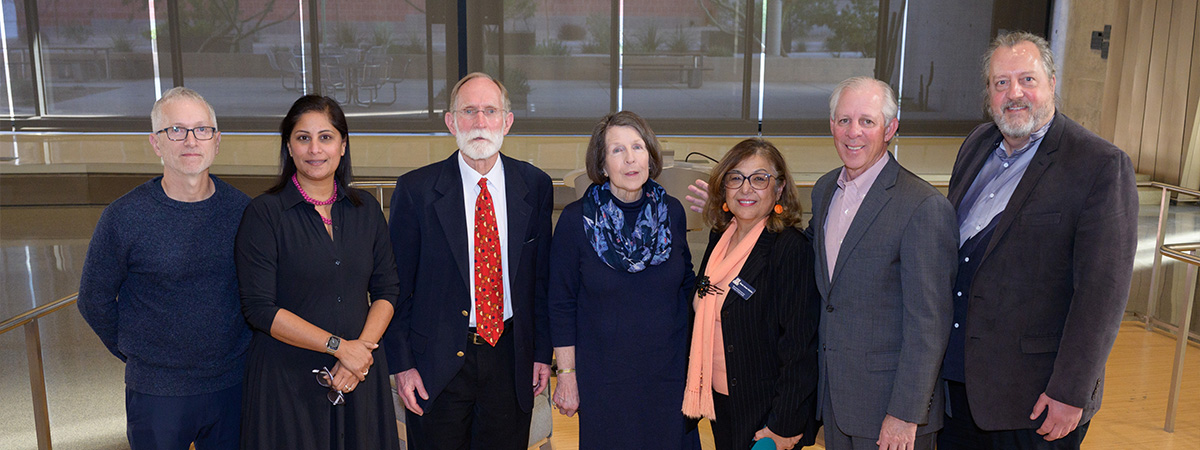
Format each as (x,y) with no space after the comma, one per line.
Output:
(620,279)
(309,251)
(753,365)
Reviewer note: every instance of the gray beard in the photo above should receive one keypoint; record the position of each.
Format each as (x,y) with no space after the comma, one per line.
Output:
(1020,130)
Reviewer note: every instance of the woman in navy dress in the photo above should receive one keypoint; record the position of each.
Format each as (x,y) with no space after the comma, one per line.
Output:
(620,283)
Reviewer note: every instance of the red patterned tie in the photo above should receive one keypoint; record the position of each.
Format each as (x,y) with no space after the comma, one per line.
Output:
(489,276)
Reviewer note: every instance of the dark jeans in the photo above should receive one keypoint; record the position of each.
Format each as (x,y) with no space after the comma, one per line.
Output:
(211,421)
(960,432)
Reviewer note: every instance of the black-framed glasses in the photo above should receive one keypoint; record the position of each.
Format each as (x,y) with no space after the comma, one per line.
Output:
(324,378)
(180,133)
(488,113)
(758,180)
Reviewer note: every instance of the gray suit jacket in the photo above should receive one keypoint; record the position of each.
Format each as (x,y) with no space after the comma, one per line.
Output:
(1050,291)
(886,314)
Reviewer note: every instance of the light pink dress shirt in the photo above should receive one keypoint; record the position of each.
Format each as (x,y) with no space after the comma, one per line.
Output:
(844,206)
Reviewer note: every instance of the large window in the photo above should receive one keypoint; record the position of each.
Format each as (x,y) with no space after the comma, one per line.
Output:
(378,57)
(734,67)
(810,46)
(17,81)
(246,57)
(98,57)
(682,60)
(555,57)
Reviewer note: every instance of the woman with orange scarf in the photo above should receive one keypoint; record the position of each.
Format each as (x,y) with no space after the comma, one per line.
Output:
(752,369)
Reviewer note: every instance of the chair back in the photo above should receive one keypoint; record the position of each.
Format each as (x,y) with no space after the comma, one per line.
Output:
(676,179)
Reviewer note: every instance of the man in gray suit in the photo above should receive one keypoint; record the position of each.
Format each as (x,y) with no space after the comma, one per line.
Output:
(885,242)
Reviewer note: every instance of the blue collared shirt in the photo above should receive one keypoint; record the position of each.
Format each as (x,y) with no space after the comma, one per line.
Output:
(994,185)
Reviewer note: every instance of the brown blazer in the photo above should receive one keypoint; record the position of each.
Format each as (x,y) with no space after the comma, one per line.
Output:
(1051,289)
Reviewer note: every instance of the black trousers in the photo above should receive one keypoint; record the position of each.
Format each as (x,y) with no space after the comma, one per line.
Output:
(478,409)
(723,438)
(960,432)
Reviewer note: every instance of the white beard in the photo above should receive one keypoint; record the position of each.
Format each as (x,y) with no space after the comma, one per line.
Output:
(479,149)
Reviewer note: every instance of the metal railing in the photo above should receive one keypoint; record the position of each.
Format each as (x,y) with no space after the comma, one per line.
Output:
(33,352)
(1185,252)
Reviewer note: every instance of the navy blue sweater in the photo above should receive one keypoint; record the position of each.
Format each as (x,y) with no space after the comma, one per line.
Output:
(160,289)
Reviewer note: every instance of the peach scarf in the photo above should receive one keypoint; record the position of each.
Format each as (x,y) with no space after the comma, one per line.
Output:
(723,266)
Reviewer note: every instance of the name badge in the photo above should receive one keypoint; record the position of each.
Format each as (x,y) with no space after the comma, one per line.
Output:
(742,288)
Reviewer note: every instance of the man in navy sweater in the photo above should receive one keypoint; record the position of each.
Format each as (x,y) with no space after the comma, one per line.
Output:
(160,289)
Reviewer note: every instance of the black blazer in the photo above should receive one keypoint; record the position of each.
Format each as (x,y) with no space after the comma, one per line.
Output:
(429,236)
(771,338)
(1051,288)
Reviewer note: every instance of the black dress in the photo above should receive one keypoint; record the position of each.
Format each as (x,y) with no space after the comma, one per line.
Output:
(286,259)
(630,332)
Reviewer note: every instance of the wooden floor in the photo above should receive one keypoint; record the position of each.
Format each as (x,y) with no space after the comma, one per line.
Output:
(1135,399)
(1135,395)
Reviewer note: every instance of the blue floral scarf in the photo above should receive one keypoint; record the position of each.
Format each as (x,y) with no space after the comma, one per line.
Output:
(649,240)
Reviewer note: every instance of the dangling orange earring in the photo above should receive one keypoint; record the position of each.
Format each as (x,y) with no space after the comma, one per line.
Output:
(725,207)
(778,209)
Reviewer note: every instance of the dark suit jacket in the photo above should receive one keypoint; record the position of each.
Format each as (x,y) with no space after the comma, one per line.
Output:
(887,312)
(429,236)
(771,338)
(1049,294)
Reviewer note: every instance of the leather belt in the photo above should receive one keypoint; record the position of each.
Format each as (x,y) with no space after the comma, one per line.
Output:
(475,338)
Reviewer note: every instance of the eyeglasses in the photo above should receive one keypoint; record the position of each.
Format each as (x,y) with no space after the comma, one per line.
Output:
(324,378)
(180,133)
(758,180)
(488,113)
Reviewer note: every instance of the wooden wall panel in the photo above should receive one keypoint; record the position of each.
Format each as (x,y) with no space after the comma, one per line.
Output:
(1132,103)
(1153,86)
(1118,17)
(1155,78)
(1191,168)
(1168,142)
(1190,174)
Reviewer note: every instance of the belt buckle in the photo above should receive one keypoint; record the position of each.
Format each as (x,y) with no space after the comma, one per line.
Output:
(476,338)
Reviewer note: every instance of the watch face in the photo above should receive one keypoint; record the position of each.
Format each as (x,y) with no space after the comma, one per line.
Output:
(333,343)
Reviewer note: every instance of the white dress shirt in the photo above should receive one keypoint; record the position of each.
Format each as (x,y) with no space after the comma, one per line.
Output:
(495,183)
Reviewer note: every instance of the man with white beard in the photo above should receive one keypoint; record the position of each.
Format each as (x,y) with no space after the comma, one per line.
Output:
(470,342)
(1047,216)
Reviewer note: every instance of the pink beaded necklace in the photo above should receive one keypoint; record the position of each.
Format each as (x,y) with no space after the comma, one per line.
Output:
(313,201)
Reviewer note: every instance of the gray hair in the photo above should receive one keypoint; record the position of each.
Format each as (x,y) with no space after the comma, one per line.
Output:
(890,107)
(1010,40)
(471,76)
(158,117)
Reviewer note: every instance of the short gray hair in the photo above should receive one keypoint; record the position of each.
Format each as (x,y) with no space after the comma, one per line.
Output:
(158,117)
(1010,40)
(890,107)
(471,76)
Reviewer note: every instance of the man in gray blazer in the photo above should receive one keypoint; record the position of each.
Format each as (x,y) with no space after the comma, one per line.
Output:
(885,242)
(1047,215)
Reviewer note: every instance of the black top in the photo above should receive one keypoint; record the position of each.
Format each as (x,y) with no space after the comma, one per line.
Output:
(287,260)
